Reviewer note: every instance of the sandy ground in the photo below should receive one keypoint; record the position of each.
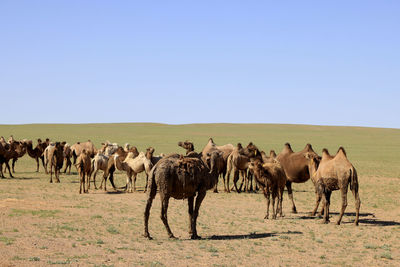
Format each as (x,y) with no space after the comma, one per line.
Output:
(51,224)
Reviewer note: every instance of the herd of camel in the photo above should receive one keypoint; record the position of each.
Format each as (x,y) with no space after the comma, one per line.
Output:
(190,176)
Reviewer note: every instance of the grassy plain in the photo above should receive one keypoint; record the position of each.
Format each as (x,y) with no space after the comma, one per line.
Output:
(51,224)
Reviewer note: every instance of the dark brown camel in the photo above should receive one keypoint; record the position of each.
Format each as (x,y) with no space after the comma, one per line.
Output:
(295,165)
(181,177)
(55,155)
(6,155)
(83,164)
(272,179)
(37,152)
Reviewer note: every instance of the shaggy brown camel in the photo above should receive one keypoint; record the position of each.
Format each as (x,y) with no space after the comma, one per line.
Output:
(296,167)
(78,147)
(37,152)
(19,148)
(111,165)
(133,165)
(181,177)
(67,156)
(239,161)
(83,164)
(271,177)
(334,173)
(55,154)
(6,154)
(226,151)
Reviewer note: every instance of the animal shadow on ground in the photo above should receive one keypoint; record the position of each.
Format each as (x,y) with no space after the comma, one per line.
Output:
(22,178)
(308,216)
(375,222)
(249,236)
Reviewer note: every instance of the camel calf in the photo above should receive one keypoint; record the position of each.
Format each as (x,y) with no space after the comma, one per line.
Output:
(271,177)
(83,164)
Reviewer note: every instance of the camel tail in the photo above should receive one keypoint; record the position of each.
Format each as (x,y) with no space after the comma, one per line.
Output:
(353,180)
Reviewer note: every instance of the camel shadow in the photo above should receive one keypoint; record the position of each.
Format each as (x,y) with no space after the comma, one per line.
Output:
(308,215)
(249,236)
(375,222)
(22,178)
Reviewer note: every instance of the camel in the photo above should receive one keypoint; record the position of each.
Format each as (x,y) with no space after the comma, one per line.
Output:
(334,173)
(6,154)
(133,165)
(181,177)
(67,156)
(83,165)
(37,152)
(238,161)
(19,148)
(296,167)
(78,147)
(99,162)
(226,151)
(55,156)
(271,177)
(111,165)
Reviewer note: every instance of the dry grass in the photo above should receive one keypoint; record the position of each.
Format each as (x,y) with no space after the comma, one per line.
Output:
(51,224)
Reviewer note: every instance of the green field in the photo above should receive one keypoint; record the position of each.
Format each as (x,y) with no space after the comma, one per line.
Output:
(45,224)
(373,151)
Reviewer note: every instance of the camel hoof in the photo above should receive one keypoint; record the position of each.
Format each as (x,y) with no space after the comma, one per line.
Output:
(172,237)
(148,236)
(215,191)
(325,221)
(294,211)
(356,223)
(266,217)
(338,223)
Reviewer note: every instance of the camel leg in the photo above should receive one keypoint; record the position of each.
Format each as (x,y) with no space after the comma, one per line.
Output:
(199,199)
(51,173)
(273,205)
(190,211)
(147,183)
(280,203)
(327,204)
(216,186)
(94,178)
(151,195)
(134,182)
(290,193)
(1,170)
(235,179)
(318,198)
(80,184)
(164,210)
(37,164)
(267,196)
(13,164)
(357,204)
(343,192)
(9,169)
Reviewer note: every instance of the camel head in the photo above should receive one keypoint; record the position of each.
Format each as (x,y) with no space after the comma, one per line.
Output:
(252,151)
(189,146)
(149,152)
(313,163)
(212,161)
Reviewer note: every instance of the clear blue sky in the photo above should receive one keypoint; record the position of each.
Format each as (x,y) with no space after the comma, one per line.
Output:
(308,62)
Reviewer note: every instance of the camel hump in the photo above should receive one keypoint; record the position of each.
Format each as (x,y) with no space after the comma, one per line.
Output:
(78,143)
(342,150)
(309,146)
(325,151)
(288,145)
